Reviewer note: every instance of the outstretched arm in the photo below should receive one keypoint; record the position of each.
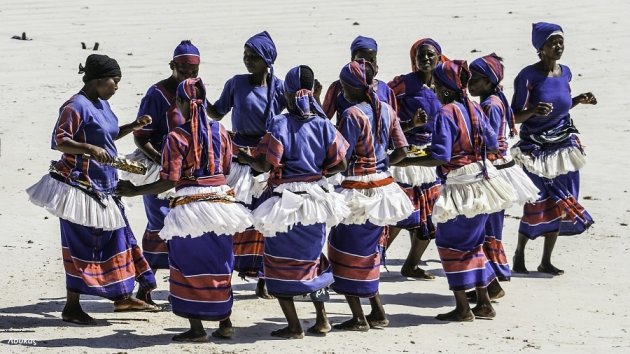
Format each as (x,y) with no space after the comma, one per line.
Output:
(128,189)
(135,125)
(584,98)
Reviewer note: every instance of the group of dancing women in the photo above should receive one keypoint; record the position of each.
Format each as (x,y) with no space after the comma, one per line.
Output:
(307,195)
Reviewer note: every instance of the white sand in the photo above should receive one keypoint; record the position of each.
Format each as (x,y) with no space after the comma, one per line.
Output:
(585,310)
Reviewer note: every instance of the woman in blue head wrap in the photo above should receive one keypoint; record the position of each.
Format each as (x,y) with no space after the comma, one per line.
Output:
(417,107)
(159,103)
(253,99)
(548,150)
(471,189)
(371,128)
(203,216)
(364,48)
(301,148)
(485,82)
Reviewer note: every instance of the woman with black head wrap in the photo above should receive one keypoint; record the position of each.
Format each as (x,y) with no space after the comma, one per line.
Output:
(100,254)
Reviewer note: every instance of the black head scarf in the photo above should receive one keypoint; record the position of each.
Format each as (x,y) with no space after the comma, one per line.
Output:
(99,66)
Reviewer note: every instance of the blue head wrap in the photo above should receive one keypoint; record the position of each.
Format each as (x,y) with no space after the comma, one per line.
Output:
(491,67)
(541,31)
(198,121)
(363,43)
(304,101)
(186,52)
(354,74)
(263,45)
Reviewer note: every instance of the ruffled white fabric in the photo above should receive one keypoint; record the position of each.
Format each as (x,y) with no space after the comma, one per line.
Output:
(466,192)
(558,163)
(152,175)
(72,204)
(319,204)
(246,186)
(153,169)
(526,190)
(196,218)
(414,175)
(335,180)
(381,206)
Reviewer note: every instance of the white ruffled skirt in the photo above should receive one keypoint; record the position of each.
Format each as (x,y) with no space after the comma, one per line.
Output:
(381,206)
(414,175)
(315,203)
(466,192)
(246,186)
(152,175)
(526,190)
(72,204)
(197,218)
(550,166)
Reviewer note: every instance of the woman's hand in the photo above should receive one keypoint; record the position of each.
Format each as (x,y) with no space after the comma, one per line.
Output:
(317,89)
(141,122)
(244,156)
(585,98)
(420,118)
(99,154)
(125,189)
(543,109)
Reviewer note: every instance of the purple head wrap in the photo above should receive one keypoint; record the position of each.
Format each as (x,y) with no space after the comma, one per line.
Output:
(491,67)
(363,43)
(304,101)
(541,31)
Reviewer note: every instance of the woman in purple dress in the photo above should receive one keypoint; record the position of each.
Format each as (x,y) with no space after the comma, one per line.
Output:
(100,254)
(549,150)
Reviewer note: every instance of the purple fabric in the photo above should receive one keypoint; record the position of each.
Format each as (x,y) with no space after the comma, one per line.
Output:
(531,86)
(186,52)
(354,74)
(89,122)
(248,103)
(355,256)
(491,67)
(92,256)
(304,101)
(264,46)
(417,95)
(208,257)
(305,144)
(294,263)
(541,31)
(460,246)
(363,43)
(197,119)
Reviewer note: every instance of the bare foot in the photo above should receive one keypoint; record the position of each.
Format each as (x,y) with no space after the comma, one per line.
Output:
(133,304)
(377,322)
(550,269)
(416,272)
(485,312)
(518,264)
(77,316)
(495,291)
(353,325)
(191,336)
(261,290)
(287,333)
(224,333)
(456,316)
(145,296)
(319,329)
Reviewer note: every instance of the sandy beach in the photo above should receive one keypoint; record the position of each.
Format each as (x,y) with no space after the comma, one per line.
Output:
(586,310)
